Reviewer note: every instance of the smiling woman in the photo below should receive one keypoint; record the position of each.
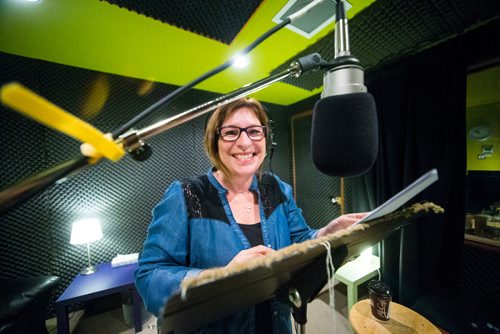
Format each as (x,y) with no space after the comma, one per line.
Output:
(231,152)
(233,214)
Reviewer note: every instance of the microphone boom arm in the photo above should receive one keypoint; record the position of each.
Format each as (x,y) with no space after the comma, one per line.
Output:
(133,139)
(133,142)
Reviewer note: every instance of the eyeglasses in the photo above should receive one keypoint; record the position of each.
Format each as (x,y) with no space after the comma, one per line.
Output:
(232,133)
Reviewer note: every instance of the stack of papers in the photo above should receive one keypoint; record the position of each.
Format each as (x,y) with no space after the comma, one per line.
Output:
(124,259)
(403,196)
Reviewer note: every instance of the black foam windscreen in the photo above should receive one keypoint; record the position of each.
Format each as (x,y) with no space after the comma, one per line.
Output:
(344,135)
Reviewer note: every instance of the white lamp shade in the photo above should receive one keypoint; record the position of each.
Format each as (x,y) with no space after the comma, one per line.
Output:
(85,231)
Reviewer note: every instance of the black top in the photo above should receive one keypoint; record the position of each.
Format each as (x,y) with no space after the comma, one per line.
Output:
(263,322)
(253,233)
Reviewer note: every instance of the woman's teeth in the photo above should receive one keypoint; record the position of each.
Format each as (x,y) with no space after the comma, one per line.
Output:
(243,156)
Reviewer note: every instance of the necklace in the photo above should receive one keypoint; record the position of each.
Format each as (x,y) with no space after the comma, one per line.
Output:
(243,200)
(244,204)
(248,208)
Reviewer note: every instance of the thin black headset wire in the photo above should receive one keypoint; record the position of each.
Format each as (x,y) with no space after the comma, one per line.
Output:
(271,160)
(176,93)
(271,147)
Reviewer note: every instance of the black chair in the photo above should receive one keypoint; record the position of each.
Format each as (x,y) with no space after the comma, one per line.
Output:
(24,303)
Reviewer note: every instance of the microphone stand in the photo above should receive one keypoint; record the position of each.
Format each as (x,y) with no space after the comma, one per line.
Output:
(26,189)
(133,141)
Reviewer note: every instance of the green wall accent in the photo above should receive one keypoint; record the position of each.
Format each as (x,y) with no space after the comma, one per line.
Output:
(483,108)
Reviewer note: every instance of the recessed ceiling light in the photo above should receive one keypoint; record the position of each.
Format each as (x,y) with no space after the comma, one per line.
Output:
(314,21)
(241,61)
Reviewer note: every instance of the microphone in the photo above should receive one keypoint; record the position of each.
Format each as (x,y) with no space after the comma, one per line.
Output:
(344,134)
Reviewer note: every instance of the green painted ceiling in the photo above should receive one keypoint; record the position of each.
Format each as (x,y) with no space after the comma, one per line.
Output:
(96,35)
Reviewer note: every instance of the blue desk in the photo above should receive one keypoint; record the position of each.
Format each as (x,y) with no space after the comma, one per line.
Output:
(106,281)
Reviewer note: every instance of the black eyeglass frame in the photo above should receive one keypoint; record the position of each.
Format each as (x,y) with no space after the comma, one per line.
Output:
(263,127)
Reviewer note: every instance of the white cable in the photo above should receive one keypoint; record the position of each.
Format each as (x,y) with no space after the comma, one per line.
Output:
(183,293)
(330,270)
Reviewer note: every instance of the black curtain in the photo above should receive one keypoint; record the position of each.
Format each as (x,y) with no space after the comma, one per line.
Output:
(421,105)
(421,109)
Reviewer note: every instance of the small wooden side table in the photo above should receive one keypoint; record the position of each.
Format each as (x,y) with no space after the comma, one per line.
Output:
(403,320)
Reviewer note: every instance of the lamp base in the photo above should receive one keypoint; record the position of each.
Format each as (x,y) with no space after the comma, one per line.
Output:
(88,270)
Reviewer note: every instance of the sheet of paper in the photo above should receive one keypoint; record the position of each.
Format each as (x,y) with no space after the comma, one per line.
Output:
(396,201)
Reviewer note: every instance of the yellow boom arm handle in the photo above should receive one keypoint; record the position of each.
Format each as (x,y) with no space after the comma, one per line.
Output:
(36,107)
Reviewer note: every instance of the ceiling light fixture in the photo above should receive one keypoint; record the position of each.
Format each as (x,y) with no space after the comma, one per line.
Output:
(241,61)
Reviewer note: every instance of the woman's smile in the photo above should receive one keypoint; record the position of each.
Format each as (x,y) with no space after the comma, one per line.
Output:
(244,156)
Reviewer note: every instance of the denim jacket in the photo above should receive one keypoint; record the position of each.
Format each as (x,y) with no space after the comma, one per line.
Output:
(193,229)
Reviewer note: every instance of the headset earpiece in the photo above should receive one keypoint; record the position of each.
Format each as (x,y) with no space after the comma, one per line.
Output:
(270,143)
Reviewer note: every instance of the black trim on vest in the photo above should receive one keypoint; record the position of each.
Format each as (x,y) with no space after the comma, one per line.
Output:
(202,198)
(270,193)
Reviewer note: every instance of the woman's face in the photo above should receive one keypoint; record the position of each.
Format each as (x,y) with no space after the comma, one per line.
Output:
(244,156)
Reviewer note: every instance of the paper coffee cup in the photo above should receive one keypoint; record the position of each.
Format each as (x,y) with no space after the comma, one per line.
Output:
(380,300)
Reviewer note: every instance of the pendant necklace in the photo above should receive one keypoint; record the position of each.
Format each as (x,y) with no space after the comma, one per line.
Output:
(248,208)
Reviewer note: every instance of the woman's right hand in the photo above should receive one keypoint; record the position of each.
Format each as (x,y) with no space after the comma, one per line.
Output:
(248,254)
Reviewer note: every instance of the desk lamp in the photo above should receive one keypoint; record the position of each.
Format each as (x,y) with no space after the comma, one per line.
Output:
(84,232)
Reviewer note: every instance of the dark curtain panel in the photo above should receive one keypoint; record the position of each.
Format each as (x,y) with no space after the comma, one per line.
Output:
(421,109)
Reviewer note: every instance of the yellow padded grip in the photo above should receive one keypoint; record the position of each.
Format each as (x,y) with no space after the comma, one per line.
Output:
(32,105)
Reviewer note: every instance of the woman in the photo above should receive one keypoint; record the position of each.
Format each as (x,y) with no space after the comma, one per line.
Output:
(230,215)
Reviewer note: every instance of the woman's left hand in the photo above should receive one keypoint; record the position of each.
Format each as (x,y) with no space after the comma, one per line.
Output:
(341,223)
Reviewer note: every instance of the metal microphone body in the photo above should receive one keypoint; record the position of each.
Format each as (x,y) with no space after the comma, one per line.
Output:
(346,76)
(344,134)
